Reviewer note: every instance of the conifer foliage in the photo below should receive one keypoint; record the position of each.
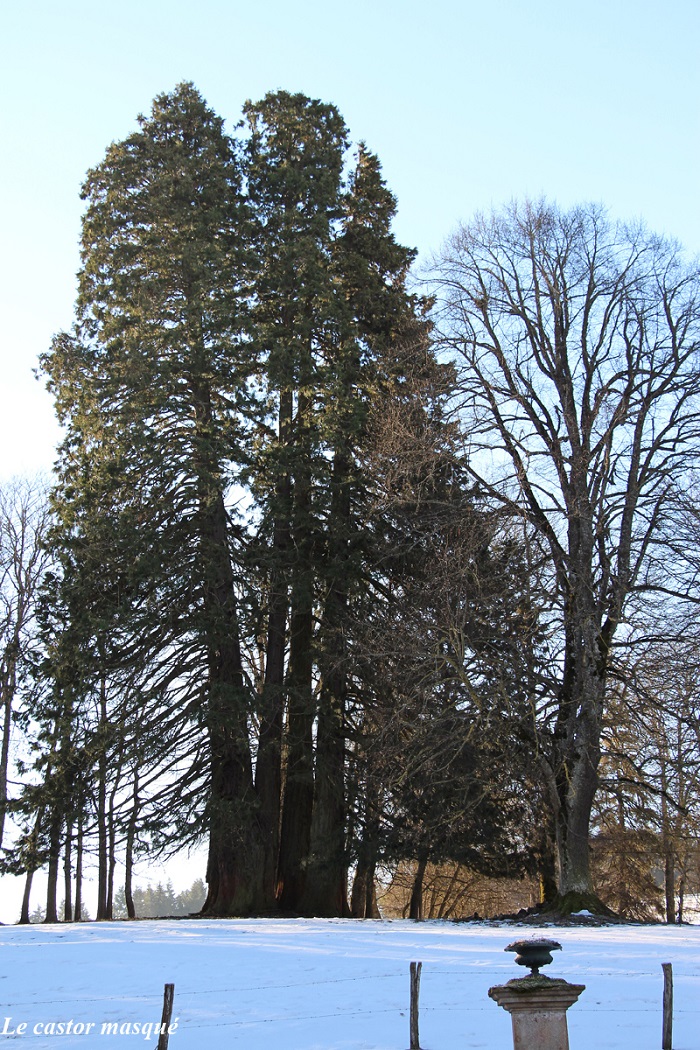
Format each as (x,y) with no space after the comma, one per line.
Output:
(241,304)
(151,388)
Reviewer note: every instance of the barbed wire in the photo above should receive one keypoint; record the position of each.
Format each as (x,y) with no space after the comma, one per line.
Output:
(394,975)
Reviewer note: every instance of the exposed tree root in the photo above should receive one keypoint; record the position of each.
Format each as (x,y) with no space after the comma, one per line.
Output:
(573,902)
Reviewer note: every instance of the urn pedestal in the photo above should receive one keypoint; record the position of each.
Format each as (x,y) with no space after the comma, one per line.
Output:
(537,1005)
(537,1008)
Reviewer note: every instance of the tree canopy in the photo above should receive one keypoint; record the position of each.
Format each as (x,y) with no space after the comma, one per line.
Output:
(349,575)
(577,341)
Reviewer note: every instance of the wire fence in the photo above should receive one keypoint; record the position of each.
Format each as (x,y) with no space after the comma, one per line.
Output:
(189,1000)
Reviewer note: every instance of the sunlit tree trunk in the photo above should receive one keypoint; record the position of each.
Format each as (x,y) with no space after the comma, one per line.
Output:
(67,872)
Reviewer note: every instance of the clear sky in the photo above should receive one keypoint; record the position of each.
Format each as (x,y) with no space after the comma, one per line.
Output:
(468,104)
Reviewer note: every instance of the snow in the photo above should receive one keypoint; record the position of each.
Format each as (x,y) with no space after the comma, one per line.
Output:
(331,984)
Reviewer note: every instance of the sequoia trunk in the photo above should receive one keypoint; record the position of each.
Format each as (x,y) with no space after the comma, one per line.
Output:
(234,867)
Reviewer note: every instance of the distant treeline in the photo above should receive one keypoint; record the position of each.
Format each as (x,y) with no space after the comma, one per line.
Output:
(161,901)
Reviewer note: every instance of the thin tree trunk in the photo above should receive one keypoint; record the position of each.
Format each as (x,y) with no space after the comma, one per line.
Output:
(54,859)
(128,887)
(667,843)
(112,836)
(670,885)
(24,919)
(129,850)
(102,863)
(78,910)
(103,833)
(67,873)
(7,691)
(415,908)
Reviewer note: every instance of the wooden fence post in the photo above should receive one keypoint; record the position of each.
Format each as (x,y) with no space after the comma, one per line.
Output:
(168,997)
(415,992)
(667,1032)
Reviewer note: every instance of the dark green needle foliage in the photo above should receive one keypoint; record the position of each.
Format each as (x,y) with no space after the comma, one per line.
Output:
(243,320)
(152,387)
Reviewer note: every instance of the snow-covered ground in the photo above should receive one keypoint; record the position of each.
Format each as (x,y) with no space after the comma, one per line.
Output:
(329,985)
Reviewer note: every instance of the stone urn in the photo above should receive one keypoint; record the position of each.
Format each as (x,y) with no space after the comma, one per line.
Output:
(537,1004)
(534,952)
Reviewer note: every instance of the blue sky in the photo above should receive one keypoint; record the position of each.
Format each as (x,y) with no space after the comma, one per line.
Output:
(467,104)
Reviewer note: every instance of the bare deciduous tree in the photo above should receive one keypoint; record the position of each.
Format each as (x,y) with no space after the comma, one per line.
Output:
(577,342)
(23,519)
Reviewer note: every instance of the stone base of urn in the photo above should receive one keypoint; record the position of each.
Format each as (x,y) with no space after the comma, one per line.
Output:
(537,1006)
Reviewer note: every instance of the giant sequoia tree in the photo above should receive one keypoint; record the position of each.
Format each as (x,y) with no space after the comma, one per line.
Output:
(578,345)
(329,303)
(295,160)
(150,387)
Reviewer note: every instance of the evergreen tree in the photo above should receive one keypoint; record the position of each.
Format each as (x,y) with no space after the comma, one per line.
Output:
(330,300)
(151,386)
(294,168)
